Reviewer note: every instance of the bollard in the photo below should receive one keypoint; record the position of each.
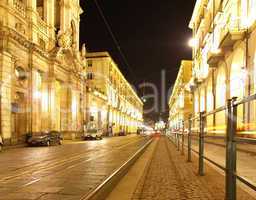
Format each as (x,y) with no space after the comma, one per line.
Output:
(189,138)
(201,143)
(182,138)
(231,156)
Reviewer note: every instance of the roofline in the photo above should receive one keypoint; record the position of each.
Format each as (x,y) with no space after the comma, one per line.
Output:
(195,12)
(182,65)
(105,54)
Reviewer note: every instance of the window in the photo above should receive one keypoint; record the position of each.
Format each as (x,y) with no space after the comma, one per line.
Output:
(57,15)
(89,64)
(90,76)
(40,8)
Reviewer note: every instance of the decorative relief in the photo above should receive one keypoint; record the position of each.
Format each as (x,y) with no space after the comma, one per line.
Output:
(65,39)
(20,73)
(20,28)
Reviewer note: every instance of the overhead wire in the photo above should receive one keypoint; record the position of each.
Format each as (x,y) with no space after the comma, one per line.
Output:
(125,60)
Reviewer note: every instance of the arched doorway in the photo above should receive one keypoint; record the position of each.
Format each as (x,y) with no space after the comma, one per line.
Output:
(19,117)
(238,76)
(202,99)
(209,103)
(221,91)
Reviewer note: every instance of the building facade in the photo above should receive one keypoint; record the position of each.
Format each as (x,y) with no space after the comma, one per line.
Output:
(180,102)
(112,100)
(42,71)
(224,54)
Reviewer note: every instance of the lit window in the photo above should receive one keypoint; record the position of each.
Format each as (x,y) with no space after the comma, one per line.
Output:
(89,64)
(90,76)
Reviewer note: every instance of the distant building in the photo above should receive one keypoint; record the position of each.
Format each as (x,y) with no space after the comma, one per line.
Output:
(42,71)
(180,102)
(224,56)
(111,100)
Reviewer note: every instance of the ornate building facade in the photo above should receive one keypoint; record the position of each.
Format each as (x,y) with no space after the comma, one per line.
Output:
(42,71)
(224,54)
(180,102)
(112,102)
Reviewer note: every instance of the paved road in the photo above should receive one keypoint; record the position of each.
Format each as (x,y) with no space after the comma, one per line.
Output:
(169,176)
(62,172)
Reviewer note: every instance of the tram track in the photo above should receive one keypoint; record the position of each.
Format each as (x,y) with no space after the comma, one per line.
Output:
(71,162)
(103,189)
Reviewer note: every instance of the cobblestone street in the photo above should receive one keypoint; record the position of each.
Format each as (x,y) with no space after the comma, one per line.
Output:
(169,176)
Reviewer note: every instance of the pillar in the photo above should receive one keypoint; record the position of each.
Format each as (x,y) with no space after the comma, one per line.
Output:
(6,67)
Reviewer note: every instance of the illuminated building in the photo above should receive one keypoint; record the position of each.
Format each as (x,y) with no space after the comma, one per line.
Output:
(41,67)
(111,99)
(180,102)
(224,53)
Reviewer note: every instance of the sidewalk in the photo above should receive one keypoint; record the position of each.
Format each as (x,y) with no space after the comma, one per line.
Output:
(168,176)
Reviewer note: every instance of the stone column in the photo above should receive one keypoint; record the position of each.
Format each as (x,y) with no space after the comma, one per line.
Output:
(50,18)
(45,101)
(73,105)
(35,103)
(6,71)
(64,15)
(32,18)
(52,103)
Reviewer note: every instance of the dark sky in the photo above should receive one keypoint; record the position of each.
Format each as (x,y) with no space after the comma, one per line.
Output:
(152,34)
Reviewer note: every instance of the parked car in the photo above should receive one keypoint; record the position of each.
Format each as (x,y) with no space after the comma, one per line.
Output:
(45,138)
(92,132)
(1,143)
(122,133)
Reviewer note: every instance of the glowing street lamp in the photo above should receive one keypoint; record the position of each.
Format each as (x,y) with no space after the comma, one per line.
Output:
(192,42)
(144,99)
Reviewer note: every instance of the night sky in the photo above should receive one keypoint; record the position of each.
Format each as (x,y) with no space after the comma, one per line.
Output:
(152,35)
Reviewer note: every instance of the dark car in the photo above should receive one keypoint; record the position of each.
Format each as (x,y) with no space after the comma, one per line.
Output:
(122,133)
(45,139)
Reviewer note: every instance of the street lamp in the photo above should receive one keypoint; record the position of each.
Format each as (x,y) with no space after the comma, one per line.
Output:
(192,42)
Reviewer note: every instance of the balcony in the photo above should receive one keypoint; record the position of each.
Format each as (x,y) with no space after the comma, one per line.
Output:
(42,26)
(230,37)
(233,31)
(213,58)
(20,7)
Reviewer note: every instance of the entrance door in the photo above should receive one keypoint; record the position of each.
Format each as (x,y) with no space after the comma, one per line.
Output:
(19,117)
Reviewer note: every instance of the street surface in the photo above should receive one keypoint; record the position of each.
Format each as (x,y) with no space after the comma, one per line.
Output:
(66,172)
(169,176)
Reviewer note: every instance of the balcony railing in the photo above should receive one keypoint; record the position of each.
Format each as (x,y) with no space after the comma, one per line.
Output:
(20,7)
(42,26)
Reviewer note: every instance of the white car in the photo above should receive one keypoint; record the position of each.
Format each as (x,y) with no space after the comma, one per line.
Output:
(91,132)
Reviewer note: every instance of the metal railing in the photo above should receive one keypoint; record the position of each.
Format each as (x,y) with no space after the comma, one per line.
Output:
(230,138)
